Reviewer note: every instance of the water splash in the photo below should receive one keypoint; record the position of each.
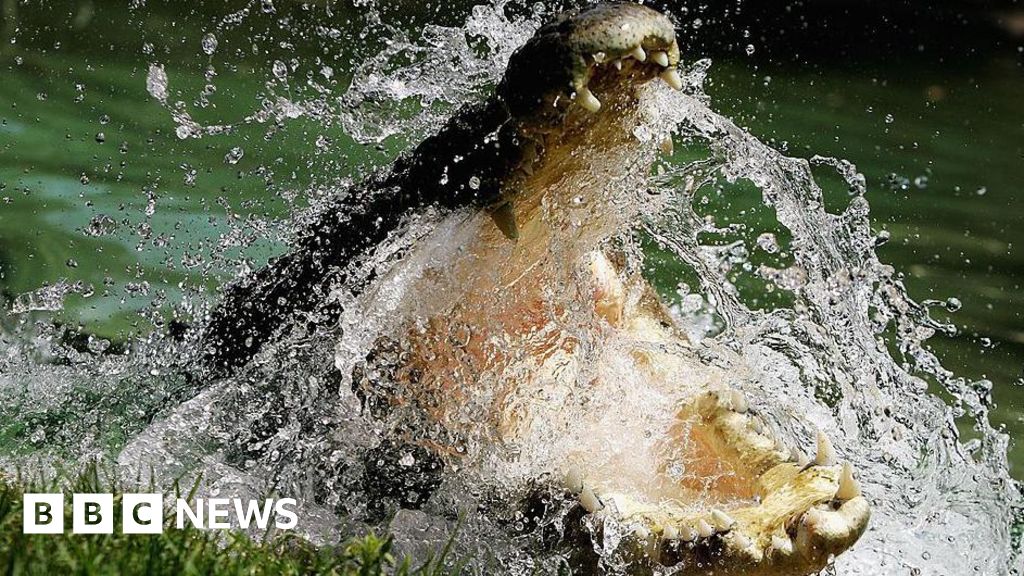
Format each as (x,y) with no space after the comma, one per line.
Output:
(845,351)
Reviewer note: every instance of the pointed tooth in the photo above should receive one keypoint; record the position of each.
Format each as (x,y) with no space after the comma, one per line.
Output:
(739,401)
(783,545)
(757,425)
(641,532)
(721,520)
(811,518)
(704,530)
(800,458)
(669,532)
(590,501)
(666,145)
(782,449)
(638,53)
(587,99)
(574,480)
(659,58)
(600,57)
(672,78)
(849,488)
(722,399)
(741,541)
(688,533)
(617,64)
(505,219)
(826,452)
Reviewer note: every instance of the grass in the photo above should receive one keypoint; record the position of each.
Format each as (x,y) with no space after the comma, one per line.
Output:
(184,551)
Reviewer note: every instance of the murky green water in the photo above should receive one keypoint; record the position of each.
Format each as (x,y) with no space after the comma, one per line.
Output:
(97,187)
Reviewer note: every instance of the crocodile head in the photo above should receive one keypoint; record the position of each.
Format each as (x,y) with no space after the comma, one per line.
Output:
(747,504)
(579,55)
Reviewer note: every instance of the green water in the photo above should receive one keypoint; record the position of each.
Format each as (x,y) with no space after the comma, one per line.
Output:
(942,149)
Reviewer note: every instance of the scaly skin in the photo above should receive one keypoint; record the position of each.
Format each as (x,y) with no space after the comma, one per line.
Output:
(530,306)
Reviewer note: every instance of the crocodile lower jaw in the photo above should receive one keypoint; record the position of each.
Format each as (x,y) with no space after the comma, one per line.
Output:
(782,513)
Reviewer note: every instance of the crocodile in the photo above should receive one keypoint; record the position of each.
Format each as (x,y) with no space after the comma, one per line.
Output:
(525,327)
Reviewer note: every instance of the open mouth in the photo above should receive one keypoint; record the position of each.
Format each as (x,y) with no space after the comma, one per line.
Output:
(725,495)
(763,508)
(513,321)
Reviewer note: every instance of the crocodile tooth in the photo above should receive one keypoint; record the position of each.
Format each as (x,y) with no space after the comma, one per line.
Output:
(782,449)
(600,57)
(669,532)
(590,501)
(826,452)
(505,219)
(574,480)
(587,99)
(784,545)
(688,533)
(811,517)
(721,520)
(666,145)
(672,78)
(742,542)
(660,58)
(739,402)
(638,53)
(757,425)
(617,64)
(704,530)
(849,488)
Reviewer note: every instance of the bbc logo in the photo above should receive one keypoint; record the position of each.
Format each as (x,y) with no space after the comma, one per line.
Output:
(144,513)
(92,514)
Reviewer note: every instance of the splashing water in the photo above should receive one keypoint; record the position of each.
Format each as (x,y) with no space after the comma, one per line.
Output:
(843,345)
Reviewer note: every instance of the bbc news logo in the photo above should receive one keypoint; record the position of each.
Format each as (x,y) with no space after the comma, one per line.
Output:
(144,513)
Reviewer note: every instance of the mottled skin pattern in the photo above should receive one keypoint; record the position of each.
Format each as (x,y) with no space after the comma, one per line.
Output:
(530,323)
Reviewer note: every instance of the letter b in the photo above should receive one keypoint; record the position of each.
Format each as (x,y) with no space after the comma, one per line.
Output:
(92,513)
(42,514)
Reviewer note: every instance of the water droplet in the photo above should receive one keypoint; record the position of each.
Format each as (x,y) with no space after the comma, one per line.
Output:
(156,82)
(750,50)
(100,225)
(101,137)
(97,345)
(953,304)
(768,243)
(209,43)
(234,155)
(981,191)
(691,303)
(280,70)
